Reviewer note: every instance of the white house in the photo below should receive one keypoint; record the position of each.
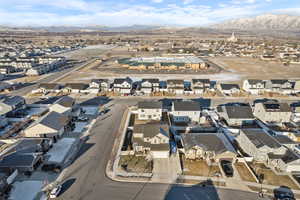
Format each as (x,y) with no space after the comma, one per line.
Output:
(175,86)
(199,86)
(149,85)
(228,89)
(150,110)
(254,86)
(186,111)
(273,112)
(122,85)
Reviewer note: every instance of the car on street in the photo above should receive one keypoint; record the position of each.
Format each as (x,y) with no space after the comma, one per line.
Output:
(227,168)
(55,192)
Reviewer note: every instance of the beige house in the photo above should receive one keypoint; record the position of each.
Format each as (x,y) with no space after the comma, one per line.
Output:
(151,139)
(208,146)
(273,112)
(63,105)
(50,126)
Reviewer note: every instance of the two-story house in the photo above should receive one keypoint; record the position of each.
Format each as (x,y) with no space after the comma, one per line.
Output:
(186,111)
(149,110)
(273,112)
(101,84)
(122,85)
(149,85)
(254,86)
(49,87)
(175,86)
(151,139)
(199,86)
(279,85)
(75,88)
(236,115)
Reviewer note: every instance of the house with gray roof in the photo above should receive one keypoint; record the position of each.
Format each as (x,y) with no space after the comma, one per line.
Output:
(149,85)
(63,105)
(51,125)
(175,86)
(151,138)
(122,85)
(208,146)
(150,110)
(186,111)
(280,86)
(10,103)
(49,87)
(258,144)
(199,86)
(273,112)
(76,88)
(236,115)
(254,86)
(228,89)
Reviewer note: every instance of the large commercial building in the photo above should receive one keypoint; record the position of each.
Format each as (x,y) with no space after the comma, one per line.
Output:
(164,63)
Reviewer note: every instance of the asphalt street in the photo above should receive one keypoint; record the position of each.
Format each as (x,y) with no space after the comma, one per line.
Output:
(89,181)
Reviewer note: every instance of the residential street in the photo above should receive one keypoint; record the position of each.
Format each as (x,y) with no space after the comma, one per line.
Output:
(85,179)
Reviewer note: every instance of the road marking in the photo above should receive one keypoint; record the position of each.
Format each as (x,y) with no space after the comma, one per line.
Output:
(186,196)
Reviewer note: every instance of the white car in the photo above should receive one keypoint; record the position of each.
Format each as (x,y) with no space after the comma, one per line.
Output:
(55,192)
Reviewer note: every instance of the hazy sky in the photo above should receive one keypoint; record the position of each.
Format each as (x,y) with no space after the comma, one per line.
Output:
(131,12)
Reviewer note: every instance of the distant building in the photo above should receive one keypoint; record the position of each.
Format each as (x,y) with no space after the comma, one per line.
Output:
(232,38)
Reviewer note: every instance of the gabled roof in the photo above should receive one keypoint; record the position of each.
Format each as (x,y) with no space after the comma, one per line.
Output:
(50,86)
(122,80)
(77,86)
(13,100)
(186,106)
(54,120)
(151,129)
(204,81)
(209,142)
(152,80)
(65,101)
(255,81)
(150,105)
(239,112)
(225,86)
(99,81)
(276,107)
(260,138)
(175,81)
(279,81)
(18,160)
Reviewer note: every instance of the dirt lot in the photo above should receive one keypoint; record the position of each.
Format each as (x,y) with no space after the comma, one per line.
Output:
(137,164)
(244,172)
(255,68)
(199,168)
(273,179)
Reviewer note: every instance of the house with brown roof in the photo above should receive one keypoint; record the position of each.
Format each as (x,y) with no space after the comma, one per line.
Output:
(175,86)
(76,88)
(149,85)
(199,86)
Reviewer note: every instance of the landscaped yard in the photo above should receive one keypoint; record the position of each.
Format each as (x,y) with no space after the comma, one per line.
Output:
(271,178)
(244,173)
(199,168)
(137,164)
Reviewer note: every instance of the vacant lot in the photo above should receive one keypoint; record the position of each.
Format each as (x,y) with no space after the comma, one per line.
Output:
(137,164)
(199,168)
(271,178)
(255,68)
(244,173)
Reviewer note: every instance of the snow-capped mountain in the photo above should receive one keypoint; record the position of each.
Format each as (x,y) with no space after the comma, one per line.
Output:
(263,22)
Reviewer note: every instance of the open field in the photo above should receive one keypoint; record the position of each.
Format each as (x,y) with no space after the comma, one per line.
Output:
(199,168)
(255,68)
(244,172)
(273,179)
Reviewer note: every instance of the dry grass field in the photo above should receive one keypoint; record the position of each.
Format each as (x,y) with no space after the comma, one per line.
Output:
(255,68)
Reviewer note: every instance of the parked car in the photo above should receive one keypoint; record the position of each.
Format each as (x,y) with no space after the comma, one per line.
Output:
(227,168)
(283,193)
(55,192)
(82,119)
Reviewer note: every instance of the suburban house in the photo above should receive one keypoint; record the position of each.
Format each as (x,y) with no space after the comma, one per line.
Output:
(149,85)
(148,110)
(207,146)
(122,85)
(175,86)
(288,162)
(273,112)
(296,113)
(49,87)
(151,138)
(11,103)
(286,141)
(297,86)
(228,89)
(279,85)
(186,111)
(258,144)
(254,86)
(63,105)
(51,125)
(236,115)
(199,86)
(75,88)
(100,84)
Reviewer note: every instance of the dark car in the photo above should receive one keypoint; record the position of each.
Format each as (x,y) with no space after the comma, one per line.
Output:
(283,193)
(227,168)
